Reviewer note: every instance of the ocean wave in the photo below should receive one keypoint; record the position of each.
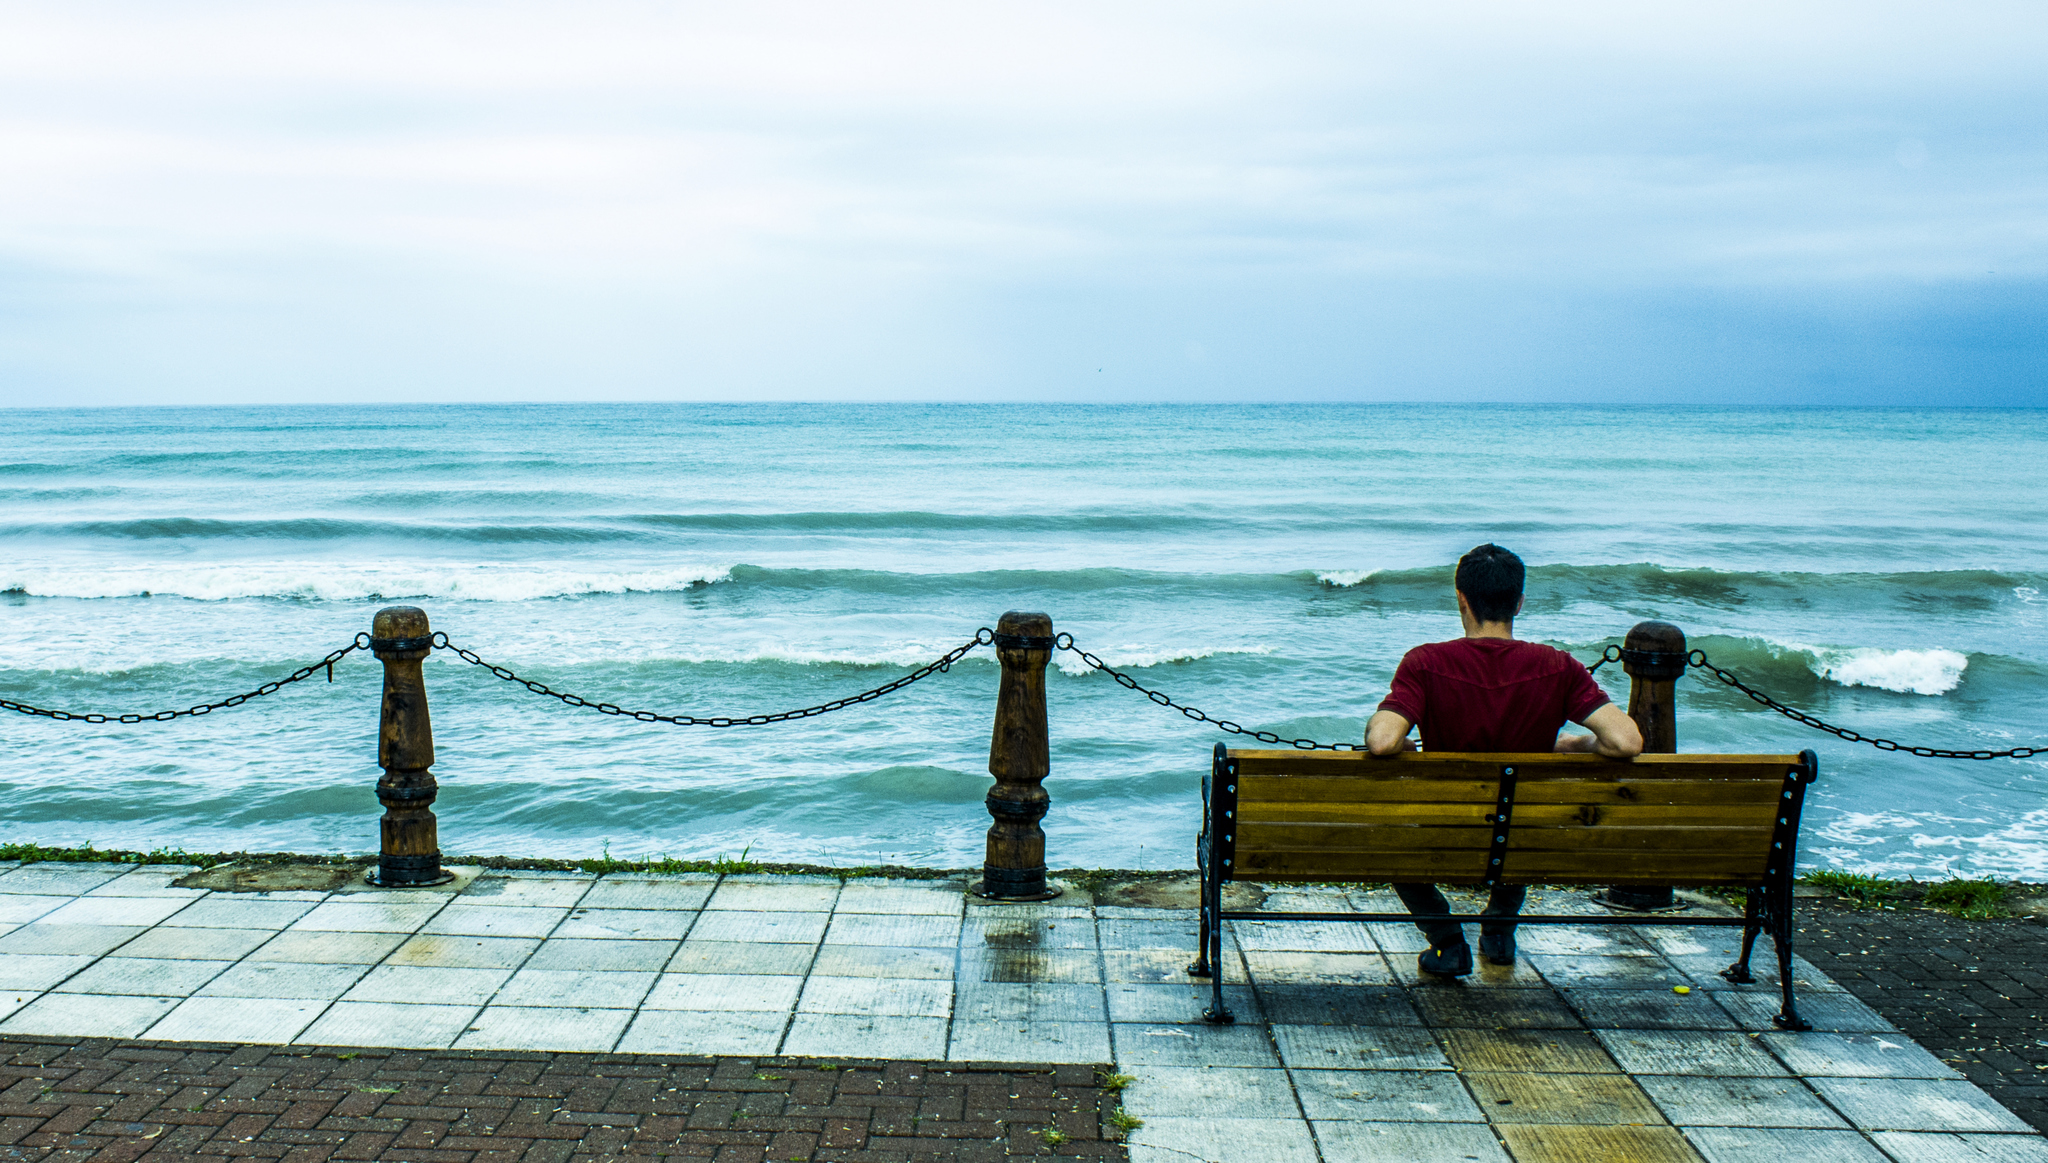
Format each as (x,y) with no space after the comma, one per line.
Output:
(1918,672)
(1145,657)
(322,581)
(1793,669)
(1344,578)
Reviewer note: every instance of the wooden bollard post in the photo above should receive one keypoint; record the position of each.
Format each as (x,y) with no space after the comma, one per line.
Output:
(1019,756)
(410,849)
(1653,654)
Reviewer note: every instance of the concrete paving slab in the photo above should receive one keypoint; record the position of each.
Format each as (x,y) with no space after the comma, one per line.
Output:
(1753,1009)
(1479,1008)
(238,1019)
(761,926)
(1648,1009)
(163,977)
(1029,1002)
(1573,940)
(288,979)
(39,971)
(57,878)
(1178,1139)
(1254,1093)
(1386,1096)
(724,992)
(221,911)
(1738,1102)
(328,948)
(1694,1052)
(1359,1048)
(671,893)
(698,1032)
(1855,1055)
(1139,1001)
(1588,1099)
(1319,968)
(1350,1005)
(19,909)
(1586,971)
(1537,1051)
(14,999)
(1142,1047)
(1152,933)
(380,1023)
(68,940)
(1022,965)
(1157,966)
(196,944)
(1761,1145)
(881,961)
(465,952)
(1303,936)
(544,1028)
(607,956)
(429,985)
(575,989)
(892,996)
(539,893)
(993,1040)
(1485,974)
(866,1036)
(946,898)
(1004,931)
(1360,1142)
(1912,1147)
(1915,1104)
(1394,937)
(626,925)
(115,910)
(914,931)
(1593,1144)
(88,1014)
(345,916)
(751,895)
(477,920)
(741,957)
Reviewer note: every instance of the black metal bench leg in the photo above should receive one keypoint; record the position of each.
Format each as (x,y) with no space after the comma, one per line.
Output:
(1739,972)
(1217,1014)
(1201,967)
(1781,936)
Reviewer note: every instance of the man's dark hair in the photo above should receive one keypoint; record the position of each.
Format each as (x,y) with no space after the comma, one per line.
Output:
(1491,580)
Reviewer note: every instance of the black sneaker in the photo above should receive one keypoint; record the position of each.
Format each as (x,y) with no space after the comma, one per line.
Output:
(1498,948)
(1446,961)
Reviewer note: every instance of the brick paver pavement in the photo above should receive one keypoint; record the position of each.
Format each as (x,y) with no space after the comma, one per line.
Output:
(112,1100)
(1974,993)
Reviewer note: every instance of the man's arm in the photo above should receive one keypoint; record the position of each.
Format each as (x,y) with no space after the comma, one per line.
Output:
(1614,735)
(1386,733)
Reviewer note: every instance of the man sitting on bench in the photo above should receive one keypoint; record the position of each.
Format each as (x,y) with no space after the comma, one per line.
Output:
(1488,692)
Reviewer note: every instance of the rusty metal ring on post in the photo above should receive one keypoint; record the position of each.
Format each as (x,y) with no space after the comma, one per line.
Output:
(1023,641)
(424,642)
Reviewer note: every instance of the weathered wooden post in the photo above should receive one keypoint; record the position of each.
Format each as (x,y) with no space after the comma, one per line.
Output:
(1653,654)
(410,853)
(1019,756)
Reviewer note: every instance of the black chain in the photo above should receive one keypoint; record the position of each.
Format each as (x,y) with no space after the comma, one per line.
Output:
(982,637)
(1066,642)
(269,688)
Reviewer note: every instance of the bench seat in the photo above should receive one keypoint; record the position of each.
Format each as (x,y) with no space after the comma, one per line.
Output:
(1707,821)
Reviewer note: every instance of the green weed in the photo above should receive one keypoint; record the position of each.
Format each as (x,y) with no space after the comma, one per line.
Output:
(1111,1081)
(1975,900)
(1859,890)
(1124,1120)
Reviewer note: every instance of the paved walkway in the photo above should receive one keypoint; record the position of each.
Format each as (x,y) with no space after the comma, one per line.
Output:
(1582,1051)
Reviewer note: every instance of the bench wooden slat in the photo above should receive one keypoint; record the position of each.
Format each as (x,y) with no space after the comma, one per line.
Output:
(1304,789)
(1456,765)
(1525,815)
(1368,838)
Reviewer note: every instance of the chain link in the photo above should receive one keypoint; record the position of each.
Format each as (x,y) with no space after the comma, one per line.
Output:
(1066,642)
(270,688)
(1698,660)
(982,637)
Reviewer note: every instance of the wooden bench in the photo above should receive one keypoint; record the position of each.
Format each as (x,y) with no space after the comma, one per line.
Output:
(1725,821)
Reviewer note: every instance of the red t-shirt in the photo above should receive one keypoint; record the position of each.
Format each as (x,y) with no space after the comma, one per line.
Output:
(1491,694)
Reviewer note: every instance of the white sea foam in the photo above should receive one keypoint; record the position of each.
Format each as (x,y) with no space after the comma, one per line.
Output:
(1344,577)
(1141,657)
(321,581)
(1919,672)
(2028,594)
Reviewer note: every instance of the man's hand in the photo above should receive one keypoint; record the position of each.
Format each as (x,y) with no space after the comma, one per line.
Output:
(1386,733)
(1614,735)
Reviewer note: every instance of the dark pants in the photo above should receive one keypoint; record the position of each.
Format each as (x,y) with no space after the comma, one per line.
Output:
(1506,901)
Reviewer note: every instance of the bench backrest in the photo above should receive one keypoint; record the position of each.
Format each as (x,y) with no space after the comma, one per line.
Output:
(1516,819)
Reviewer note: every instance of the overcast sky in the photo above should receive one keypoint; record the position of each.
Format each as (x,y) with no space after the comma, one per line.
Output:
(290,201)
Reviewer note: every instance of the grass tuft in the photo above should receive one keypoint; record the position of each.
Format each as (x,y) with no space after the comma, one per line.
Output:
(1111,1081)
(1124,1121)
(1859,890)
(1974,900)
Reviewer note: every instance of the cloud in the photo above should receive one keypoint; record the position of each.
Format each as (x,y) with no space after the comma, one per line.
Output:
(242,201)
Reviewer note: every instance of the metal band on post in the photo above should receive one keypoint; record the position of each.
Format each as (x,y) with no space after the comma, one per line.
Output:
(409,850)
(1654,656)
(1019,756)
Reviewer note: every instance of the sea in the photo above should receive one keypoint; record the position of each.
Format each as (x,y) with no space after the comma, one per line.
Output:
(1882,569)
